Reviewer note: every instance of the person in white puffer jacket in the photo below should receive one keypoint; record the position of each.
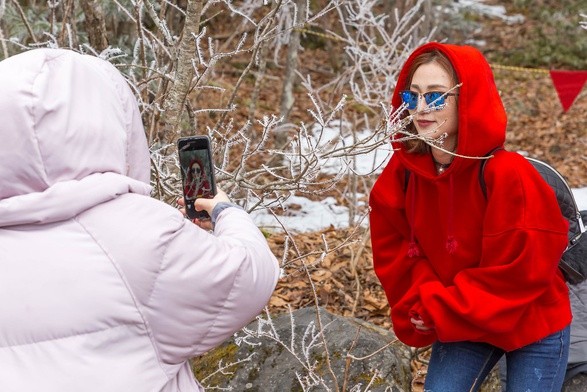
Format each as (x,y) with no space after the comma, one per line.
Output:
(103,288)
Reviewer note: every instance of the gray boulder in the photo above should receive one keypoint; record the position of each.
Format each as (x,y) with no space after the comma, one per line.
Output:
(288,351)
(576,384)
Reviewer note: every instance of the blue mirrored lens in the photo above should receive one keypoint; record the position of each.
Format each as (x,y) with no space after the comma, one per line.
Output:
(410,98)
(434,99)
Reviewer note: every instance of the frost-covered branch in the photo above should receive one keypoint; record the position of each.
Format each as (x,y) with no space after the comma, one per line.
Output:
(376,54)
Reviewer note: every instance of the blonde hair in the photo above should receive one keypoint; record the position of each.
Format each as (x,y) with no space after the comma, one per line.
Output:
(418,146)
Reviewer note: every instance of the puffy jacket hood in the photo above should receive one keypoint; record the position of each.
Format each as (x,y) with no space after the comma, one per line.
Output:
(71,134)
(481,120)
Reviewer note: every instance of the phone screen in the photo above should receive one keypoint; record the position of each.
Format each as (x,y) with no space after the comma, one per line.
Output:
(197,171)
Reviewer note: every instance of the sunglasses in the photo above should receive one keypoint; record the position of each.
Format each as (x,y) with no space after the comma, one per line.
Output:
(434,99)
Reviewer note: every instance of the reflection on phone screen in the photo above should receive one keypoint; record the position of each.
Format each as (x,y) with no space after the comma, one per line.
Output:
(197,171)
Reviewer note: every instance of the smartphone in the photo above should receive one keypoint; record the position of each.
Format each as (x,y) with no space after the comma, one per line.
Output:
(197,172)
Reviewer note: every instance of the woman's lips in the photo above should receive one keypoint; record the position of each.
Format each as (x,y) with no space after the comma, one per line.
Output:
(424,123)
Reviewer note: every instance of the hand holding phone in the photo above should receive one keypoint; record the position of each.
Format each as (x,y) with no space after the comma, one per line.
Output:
(207,205)
(197,173)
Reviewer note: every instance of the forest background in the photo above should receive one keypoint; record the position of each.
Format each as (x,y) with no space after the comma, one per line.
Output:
(295,97)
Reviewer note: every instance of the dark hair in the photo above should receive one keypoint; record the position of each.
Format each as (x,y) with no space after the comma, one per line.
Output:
(433,56)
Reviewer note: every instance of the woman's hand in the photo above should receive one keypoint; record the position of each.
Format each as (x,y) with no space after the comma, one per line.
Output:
(206,205)
(419,324)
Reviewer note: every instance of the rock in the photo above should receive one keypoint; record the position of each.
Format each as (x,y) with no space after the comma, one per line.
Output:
(492,382)
(576,384)
(288,351)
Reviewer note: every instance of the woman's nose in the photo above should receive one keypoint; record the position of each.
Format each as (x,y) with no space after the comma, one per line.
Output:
(422,106)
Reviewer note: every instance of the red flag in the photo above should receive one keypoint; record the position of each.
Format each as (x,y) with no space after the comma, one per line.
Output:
(568,85)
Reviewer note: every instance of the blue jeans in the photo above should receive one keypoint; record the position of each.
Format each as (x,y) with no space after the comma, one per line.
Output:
(463,366)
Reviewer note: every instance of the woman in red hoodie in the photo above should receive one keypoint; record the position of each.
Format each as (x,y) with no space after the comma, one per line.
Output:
(474,275)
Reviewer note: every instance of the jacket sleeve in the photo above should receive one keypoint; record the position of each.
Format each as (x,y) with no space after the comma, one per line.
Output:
(524,237)
(399,274)
(210,285)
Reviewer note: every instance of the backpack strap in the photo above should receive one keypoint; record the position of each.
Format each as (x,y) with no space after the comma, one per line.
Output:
(482,171)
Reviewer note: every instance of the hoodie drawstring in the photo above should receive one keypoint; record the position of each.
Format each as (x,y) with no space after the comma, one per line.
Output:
(451,242)
(413,248)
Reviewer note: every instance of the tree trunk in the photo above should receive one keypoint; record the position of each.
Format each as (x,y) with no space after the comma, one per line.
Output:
(259,78)
(291,65)
(184,73)
(95,24)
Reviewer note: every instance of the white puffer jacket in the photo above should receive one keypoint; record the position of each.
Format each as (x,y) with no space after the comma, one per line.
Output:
(103,288)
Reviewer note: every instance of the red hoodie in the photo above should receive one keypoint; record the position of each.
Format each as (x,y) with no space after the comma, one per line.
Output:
(485,269)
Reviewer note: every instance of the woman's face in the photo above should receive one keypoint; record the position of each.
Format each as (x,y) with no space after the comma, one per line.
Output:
(434,123)
(196,170)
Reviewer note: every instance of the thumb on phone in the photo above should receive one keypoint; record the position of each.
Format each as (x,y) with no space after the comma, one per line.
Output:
(209,204)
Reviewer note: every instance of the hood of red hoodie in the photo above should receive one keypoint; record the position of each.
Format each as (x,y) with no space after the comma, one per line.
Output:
(482,119)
